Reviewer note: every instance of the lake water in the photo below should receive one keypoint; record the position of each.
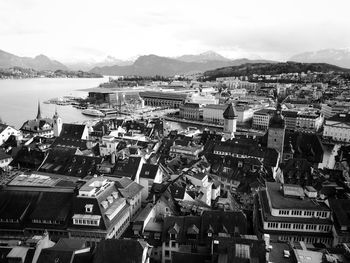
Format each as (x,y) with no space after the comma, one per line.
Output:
(19,98)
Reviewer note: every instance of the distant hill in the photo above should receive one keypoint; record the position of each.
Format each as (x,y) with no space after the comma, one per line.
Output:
(203,57)
(108,61)
(338,57)
(41,62)
(272,68)
(152,65)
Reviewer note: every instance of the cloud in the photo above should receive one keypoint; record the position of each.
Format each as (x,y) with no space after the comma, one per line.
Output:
(79,29)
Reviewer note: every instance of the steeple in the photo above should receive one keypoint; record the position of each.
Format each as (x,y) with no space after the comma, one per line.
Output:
(56,113)
(38,116)
(57,124)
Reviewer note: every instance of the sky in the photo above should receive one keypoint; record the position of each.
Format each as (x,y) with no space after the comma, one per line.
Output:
(90,30)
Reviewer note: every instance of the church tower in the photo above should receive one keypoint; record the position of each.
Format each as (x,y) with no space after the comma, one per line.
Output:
(230,122)
(57,124)
(38,115)
(276,132)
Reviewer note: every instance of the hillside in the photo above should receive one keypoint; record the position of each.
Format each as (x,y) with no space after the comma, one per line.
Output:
(41,62)
(271,69)
(338,57)
(152,65)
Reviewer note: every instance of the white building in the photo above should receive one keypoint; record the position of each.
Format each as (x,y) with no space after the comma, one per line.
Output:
(150,173)
(307,121)
(6,131)
(109,145)
(213,113)
(202,98)
(244,114)
(338,127)
(5,159)
(331,108)
(290,213)
(99,212)
(261,118)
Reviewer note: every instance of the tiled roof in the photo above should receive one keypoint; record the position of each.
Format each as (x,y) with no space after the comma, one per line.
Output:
(131,190)
(15,205)
(233,221)
(341,211)
(50,255)
(52,206)
(70,143)
(120,251)
(72,131)
(149,171)
(298,171)
(64,161)
(27,158)
(127,168)
(80,203)
(36,125)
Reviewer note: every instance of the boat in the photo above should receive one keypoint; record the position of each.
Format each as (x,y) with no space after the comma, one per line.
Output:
(93,112)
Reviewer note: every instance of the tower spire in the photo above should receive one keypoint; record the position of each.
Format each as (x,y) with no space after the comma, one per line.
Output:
(38,116)
(56,113)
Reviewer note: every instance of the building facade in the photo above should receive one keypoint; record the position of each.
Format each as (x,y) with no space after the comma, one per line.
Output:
(338,127)
(163,99)
(213,113)
(289,213)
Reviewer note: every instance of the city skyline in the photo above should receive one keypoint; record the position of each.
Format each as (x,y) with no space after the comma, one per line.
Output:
(91,30)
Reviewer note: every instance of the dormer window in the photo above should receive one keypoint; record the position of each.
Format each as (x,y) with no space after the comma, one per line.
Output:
(88,208)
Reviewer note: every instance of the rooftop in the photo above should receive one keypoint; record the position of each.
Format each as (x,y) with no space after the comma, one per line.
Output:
(280,201)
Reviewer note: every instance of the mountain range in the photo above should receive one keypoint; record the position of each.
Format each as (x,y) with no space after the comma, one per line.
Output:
(151,65)
(108,61)
(40,62)
(338,57)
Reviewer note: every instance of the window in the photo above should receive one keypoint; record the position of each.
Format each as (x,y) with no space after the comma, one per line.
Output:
(88,208)
(167,253)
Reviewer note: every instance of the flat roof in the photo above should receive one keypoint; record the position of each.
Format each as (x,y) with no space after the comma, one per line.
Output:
(279,201)
(33,180)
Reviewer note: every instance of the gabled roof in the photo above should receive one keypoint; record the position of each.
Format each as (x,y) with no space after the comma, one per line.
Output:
(15,205)
(120,251)
(3,127)
(179,226)
(127,188)
(55,256)
(52,206)
(341,211)
(26,157)
(149,171)
(127,168)
(37,125)
(69,143)
(72,131)
(231,222)
(64,161)
(79,204)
